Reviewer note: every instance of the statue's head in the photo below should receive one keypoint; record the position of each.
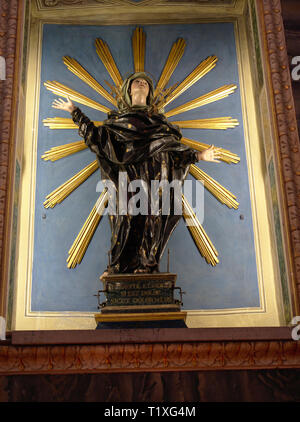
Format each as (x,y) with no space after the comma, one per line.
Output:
(127,89)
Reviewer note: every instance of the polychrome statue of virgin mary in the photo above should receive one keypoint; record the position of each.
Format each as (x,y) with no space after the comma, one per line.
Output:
(137,140)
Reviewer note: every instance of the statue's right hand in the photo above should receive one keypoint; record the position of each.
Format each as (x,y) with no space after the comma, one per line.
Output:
(63,105)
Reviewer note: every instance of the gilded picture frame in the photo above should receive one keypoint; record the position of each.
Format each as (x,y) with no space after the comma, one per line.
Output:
(274,206)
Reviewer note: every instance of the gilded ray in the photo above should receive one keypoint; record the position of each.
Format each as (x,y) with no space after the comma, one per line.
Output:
(63,123)
(212,123)
(79,71)
(108,61)
(61,151)
(64,91)
(202,241)
(173,59)
(222,194)
(138,48)
(225,155)
(201,70)
(82,241)
(64,190)
(216,95)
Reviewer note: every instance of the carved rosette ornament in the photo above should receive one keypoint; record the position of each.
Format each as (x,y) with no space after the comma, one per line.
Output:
(288,139)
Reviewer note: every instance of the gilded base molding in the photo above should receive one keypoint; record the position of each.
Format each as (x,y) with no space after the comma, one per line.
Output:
(149,357)
(142,316)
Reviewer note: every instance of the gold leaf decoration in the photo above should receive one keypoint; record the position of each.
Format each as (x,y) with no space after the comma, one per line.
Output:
(108,61)
(63,123)
(64,91)
(202,241)
(138,48)
(216,95)
(56,153)
(84,237)
(220,123)
(201,70)
(79,71)
(173,59)
(60,193)
(222,194)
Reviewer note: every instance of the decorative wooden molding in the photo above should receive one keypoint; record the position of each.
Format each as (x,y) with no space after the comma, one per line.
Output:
(9,14)
(162,350)
(287,133)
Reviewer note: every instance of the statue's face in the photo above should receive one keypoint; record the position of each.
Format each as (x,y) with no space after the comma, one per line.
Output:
(139,86)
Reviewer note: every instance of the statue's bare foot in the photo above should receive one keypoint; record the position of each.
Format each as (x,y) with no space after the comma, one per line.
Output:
(104,275)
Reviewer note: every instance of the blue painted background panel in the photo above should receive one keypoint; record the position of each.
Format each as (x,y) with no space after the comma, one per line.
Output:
(233,282)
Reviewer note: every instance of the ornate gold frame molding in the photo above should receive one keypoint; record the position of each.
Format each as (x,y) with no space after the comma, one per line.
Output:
(268,313)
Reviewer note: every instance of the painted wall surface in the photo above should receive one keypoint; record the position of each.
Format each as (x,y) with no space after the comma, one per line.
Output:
(233,282)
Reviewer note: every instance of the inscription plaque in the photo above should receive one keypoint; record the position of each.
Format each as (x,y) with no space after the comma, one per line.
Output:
(136,293)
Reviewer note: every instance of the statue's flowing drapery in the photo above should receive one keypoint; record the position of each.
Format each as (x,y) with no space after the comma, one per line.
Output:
(147,147)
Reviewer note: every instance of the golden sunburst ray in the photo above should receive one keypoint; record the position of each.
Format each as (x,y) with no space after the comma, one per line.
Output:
(202,241)
(83,239)
(225,155)
(173,59)
(108,61)
(64,190)
(215,188)
(81,73)
(212,123)
(138,49)
(64,91)
(201,70)
(63,123)
(216,95)
(61,151)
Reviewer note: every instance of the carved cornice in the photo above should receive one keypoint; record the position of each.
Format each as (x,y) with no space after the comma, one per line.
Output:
(63,4)
(288,139)
(149,357)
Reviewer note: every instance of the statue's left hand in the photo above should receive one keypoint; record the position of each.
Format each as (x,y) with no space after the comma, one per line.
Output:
(64,105)
(210,154)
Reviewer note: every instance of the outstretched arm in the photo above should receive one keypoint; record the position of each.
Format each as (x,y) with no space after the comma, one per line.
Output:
(210,154)
(87,130)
